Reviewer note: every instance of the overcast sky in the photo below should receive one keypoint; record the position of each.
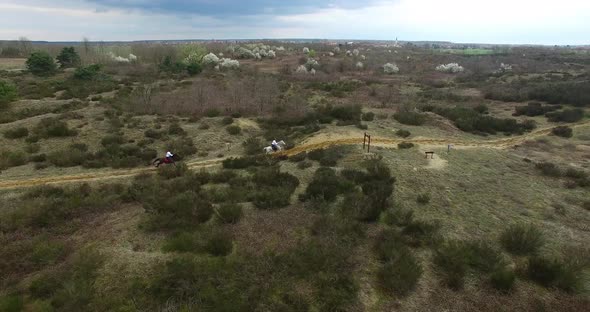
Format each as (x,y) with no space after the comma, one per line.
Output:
(481,21)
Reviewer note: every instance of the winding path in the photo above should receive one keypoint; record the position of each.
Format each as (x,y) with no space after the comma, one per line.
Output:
(377,141)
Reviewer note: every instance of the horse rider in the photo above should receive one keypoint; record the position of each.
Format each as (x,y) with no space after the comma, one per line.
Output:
(169,156)
(274,145)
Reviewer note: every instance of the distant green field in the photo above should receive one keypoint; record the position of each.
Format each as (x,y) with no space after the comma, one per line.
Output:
(468,51)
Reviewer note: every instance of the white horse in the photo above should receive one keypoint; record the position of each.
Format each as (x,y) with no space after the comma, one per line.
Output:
(280,146)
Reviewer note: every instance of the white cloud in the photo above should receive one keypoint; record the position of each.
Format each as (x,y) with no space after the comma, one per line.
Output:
(499,21)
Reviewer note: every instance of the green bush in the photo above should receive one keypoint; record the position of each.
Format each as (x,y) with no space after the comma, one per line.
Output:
(252,146)
(484,256)
(176,129)
(298,157)
(81,276)
(227,120)
(423,198)
(40,63)
(16,133)
(317,154)
(152,133)
(562,274)
(398,216)
(273,188)
(52,127)
(400,275)
(233,129)
(38,158)
(112,139)
(182,242)
(229,213)
(8,93)
(11,303)
(503,279)
(181,147)
(45,286)
(549,169)
(563,131)
(11,159)
(564,92)
(67,157)
(403,133)
(241,162)
(194,68)
(212,112)
(451,258)
(176,211)
(87,73)
(534,109)
(219,244)
(368,116)
(68,57)
(405,145)
(566,115)
(400,270)
(410,118)
(326,185)
(522,239)
(47,252)
(420,233)
(360,207)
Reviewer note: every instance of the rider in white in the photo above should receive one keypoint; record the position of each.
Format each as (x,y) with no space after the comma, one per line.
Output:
(169,155)
(274,145)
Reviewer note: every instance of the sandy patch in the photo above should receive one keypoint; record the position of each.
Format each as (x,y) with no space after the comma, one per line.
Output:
(436,162)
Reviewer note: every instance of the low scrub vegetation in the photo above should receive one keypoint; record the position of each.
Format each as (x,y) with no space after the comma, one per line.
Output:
(8,93)
(53,127)
(566,115)
(16,133)
(563,131)
(410,118)
(470,120)
(522,239)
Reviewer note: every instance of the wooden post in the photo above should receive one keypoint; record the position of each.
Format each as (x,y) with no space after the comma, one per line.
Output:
(369,146)
(364,139)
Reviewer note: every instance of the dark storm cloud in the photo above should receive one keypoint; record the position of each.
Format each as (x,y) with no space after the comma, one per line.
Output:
(230,7)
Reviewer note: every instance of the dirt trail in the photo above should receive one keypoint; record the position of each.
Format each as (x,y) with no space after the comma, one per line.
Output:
(383,142)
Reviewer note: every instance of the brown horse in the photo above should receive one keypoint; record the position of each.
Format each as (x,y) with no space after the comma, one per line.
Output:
(158,161)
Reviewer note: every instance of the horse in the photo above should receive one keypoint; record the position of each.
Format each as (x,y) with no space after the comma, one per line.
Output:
(280,146)
(158,161)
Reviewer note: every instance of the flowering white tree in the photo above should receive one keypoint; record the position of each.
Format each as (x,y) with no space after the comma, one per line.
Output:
(312,71)
(210,60)
(132,57)
(450,68)
(301,69)
(359,65)
(390,68)
(336,50)
(305,50)
(311,64)
(356,52)
(348,53)
(331,54)
(272,54)
(363,57)
(245,53)
(505,67)
(229,64)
